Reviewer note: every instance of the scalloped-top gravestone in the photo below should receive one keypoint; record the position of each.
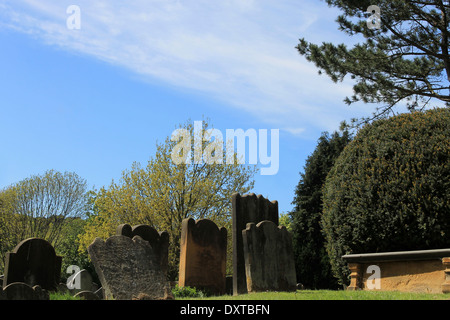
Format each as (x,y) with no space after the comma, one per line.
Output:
(269,258)
(128,268)
(203,253)
(158,240)
(247,208)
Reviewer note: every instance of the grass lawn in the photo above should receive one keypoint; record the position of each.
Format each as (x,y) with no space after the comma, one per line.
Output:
(62,296)
(308,295)
(330,295)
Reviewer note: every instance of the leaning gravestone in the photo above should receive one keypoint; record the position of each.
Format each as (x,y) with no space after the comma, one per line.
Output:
(203,254)
(34,262)
(127,268)
(269,258)
(247,208)
(158,240)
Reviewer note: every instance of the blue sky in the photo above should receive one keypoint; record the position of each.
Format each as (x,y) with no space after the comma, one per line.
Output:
(95,100)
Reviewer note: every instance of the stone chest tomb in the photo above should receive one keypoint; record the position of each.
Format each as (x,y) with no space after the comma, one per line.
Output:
(408,271)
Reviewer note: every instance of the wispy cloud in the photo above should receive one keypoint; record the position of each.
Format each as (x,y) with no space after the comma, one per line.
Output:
(295,131)
(239,51)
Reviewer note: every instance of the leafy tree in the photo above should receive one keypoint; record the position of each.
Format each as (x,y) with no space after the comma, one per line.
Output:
(9,226)
(389,190)
(405,59)
(311,259)
(286,221)
(38,206)
(163,193)
(68,248)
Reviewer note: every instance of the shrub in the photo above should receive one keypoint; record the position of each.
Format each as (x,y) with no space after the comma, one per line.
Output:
(63,296)
(187,292)
(389,189)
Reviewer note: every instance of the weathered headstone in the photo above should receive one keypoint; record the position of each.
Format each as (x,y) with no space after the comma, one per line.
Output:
(87,295)
(127,267)
(23,291)
(203,254)
(80,281)
(158,240)
(34,262)
(247,208)
(269,258)
(100,292)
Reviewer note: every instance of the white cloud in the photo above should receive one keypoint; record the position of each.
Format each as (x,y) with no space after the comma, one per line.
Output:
(295,131)
(241,52)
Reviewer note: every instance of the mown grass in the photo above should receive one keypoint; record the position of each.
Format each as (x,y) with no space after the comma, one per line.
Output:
(328,295)
(62,296)
(306,295)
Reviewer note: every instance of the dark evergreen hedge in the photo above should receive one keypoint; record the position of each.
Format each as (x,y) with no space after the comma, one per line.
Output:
(311,259)
(389,189)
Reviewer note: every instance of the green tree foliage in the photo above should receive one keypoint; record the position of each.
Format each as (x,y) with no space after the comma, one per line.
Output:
(68,248)
(38,206)
(406,59)
(389,189)
(163,193)
(286,221)
(311,259)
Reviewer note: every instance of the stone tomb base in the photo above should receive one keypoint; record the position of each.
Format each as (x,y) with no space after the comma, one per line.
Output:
(425,271)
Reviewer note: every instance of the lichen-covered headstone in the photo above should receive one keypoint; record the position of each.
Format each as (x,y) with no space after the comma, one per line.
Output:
(269,258)
(245,209)
(158,240)
(127,268)
(203,252)
(34,262)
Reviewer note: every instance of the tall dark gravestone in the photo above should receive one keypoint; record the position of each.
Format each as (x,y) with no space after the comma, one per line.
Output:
(203,254)
(246,209)
(159,241)
(34,262)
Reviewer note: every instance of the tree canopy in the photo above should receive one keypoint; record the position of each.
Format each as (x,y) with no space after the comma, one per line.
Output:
(389,189)
(311,259)
(403,59)
(39,206)
(163,193)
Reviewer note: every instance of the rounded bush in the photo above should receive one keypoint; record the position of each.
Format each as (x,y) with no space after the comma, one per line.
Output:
(389,189)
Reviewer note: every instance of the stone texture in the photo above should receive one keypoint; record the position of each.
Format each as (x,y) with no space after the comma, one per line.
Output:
(34,262)
(407,271)
(246,209)
(127,267)
(203,252)
(23,291)
(80,281)
(446,284)
(87,295)
(100,293)
(425,276)
(269,258)
(355,276)
(158,240)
